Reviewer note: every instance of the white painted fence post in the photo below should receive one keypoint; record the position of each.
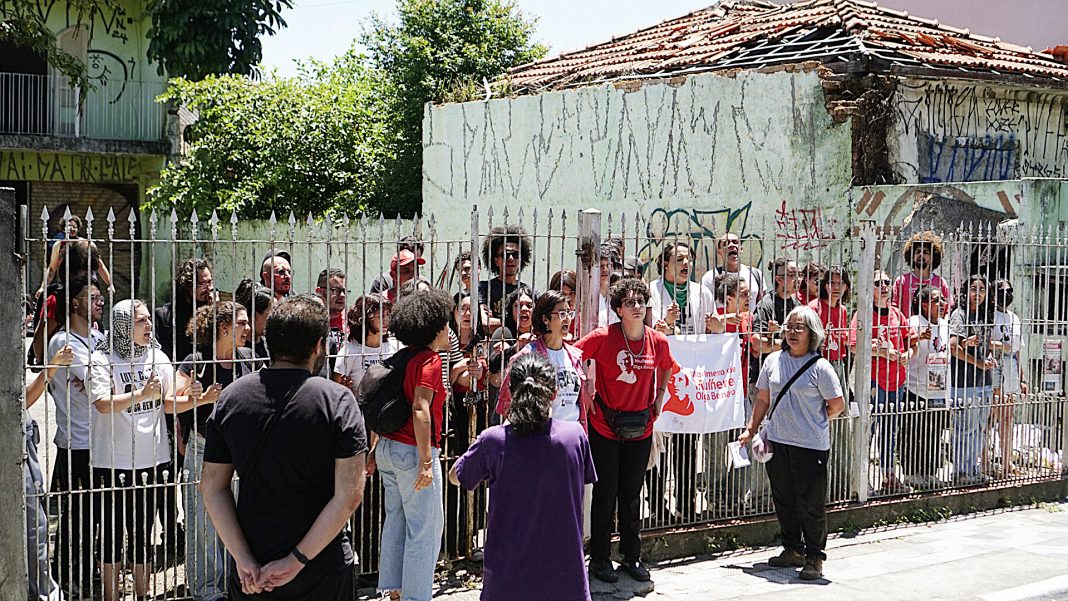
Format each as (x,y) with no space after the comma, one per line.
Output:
(862,371)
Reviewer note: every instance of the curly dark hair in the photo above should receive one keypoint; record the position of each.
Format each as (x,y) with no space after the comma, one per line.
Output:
(921,239)
(726,284)
(506,234)
(209,320)
(509,307)
(543,309)
(363,311)
(532,382)
(185,278)
(624,288)
(460,258)
(417,319)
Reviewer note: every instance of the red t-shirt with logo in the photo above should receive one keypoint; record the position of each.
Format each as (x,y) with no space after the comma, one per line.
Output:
(423,370)
(889,330)
(625,375)
(745,328)
(836,324)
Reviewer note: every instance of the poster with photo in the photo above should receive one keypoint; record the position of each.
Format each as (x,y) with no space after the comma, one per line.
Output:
(1052,366)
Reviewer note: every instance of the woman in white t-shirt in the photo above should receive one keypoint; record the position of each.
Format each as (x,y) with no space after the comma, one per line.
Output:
(927,385)
(129,450)
(368,342)
(1005,341)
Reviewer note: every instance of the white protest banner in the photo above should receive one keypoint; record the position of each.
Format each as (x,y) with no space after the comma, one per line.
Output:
(705,389)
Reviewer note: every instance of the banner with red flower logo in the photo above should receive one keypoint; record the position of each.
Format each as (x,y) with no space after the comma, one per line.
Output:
(705,390)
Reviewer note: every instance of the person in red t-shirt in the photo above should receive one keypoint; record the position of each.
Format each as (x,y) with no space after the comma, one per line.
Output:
(830,306)
(407,459)
(923,252)
(632,365)
(811,277)
(892,345)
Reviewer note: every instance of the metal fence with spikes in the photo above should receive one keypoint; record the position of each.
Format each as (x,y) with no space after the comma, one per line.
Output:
(907,430)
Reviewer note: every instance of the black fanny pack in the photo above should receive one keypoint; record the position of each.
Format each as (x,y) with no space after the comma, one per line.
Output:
(627,425)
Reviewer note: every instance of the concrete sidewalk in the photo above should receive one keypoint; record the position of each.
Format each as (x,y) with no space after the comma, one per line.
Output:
(1009,555)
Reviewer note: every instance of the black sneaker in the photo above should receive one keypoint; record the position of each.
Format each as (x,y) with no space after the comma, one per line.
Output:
(602,570)
(636,570)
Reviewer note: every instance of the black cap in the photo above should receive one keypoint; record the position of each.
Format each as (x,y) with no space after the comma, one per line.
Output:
(277,252)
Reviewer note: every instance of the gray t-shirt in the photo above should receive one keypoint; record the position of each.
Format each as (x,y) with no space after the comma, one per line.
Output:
(800,418)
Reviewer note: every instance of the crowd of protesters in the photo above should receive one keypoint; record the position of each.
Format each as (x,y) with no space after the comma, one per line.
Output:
(499,378)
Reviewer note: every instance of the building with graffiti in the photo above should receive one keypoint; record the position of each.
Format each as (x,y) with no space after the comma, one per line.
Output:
(803,119)
(97,147)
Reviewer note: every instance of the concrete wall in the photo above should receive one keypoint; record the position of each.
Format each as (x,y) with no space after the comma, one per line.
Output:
(750,153)
(959,131)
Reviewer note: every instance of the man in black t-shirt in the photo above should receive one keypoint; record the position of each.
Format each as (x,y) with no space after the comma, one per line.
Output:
(770,314)
(507,252)
(299,446)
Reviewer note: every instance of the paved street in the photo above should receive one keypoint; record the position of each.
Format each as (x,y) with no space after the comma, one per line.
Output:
(1001,556)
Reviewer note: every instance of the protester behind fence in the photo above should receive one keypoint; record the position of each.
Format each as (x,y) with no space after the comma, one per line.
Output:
(518,308)
(536,467)
(970,330)
(633,363)
(461,271)
(276,273)
(830,305)
(407,459)
(729,260)
(299,447)
(41,585)
(1006,341)
(384,282)
(811,276)
(467,416)
(677,305)
(82,260)
(258,303)
(221,331)
(564,281)
(506,251)
(928,383)
(132,384)
(194,287)
(771,310)
(80,305)
(611,262)
(892,344)
(369,341)
(69,254)
(71,230)
(331,288)
(799,393)
(923,253)
(405,269)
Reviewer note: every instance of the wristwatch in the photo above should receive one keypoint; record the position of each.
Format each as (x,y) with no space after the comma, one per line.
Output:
(300,556)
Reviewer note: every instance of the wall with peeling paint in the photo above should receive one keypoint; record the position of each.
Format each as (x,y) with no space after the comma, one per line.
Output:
(743,153)
(962,131)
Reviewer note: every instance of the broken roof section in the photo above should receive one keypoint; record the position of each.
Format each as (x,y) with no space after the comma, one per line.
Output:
(744,34)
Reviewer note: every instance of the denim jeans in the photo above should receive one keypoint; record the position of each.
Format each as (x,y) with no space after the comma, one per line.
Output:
(970,413)
(42,587)
(886,419)
(206,559)
(415,520)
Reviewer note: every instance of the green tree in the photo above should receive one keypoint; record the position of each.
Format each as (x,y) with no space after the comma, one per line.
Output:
(197,38)
(316,143)
(441,50)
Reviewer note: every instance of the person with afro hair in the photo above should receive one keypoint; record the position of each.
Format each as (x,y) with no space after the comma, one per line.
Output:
(923,252)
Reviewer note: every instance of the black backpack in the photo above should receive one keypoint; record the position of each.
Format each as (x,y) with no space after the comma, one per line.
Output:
(381,394)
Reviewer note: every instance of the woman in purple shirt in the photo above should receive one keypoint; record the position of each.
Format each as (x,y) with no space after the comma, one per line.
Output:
(536,468)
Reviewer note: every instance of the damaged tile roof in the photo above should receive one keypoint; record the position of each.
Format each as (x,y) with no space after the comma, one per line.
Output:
(755,33)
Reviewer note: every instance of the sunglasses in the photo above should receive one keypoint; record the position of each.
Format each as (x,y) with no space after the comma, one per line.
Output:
(511,254)
(634,303)
(883,282)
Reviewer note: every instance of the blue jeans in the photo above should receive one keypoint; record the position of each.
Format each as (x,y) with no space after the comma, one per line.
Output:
(42,587)
(885,418)
(411,532)
(206,559)
(971,411)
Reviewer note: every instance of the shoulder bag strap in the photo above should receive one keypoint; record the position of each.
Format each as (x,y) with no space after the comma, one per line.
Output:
(790,382)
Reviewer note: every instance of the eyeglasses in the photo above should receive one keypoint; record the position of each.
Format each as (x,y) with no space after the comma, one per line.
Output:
(283,272)
(797,327)
(334,290)
(789,274)
(565,314)
(936,301)
(634,303)
(511,254)
(883,282)
(97,299)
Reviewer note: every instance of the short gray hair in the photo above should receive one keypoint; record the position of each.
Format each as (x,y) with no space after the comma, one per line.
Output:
(812,322)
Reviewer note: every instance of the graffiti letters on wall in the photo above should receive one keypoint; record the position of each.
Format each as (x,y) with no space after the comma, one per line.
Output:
(805,228)
(59,167)
(969,132)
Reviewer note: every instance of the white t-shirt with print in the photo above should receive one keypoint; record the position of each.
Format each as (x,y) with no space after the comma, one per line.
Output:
(928,374)
(354,358)
(566,404)
(134,438)
(69,388)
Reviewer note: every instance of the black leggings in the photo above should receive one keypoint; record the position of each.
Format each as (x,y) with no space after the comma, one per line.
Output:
(72,562)
(617,495)
(128,500)
(799,487)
